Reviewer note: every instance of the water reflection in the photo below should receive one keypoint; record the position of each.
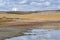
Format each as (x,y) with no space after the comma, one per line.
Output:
(39,34)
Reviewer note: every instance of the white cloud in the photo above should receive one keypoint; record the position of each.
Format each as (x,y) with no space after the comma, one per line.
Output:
(2,3)
(42,0)
(1,0)
(47,3)
(35,3)
(58,7)
(14,9)
(23,1)
(28,4)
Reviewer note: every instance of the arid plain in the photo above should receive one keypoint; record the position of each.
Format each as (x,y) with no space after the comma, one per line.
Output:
(15,23)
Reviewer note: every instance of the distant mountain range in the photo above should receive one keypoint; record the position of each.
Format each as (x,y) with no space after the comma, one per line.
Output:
(28,12)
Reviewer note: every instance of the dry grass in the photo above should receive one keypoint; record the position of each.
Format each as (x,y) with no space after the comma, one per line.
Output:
(48,15)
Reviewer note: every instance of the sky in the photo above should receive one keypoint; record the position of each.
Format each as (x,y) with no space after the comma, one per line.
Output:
(29,5)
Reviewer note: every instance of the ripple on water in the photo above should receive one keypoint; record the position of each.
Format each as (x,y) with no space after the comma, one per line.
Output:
(39,34)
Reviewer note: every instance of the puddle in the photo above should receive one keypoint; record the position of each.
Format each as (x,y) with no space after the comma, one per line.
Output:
(39,34)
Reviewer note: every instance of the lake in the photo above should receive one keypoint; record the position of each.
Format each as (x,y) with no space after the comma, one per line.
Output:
(39,34)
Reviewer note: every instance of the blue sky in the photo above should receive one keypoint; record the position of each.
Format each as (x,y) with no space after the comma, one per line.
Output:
(29,5)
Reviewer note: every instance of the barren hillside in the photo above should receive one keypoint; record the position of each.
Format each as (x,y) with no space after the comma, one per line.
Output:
(38,16)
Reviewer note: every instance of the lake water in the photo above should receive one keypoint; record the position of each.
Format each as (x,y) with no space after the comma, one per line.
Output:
(39,34)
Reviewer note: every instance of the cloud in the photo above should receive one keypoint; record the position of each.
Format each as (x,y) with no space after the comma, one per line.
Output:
(23,1)
(47,3)
(14,9)
(35,3)
(29,5)
(58,7)
(2,3)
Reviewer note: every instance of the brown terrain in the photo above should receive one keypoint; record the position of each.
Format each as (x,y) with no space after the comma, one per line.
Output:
(12,25)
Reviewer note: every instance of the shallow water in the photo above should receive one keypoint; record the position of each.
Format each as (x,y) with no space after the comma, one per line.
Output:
(39,34)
